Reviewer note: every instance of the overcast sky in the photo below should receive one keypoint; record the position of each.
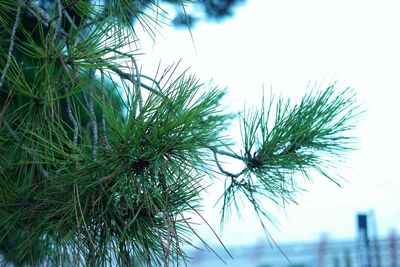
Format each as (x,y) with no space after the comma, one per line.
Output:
(285,44)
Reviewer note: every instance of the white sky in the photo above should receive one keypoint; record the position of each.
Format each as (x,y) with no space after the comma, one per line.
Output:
(285,44)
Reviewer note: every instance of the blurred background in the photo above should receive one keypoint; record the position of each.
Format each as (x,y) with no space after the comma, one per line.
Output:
(288,47)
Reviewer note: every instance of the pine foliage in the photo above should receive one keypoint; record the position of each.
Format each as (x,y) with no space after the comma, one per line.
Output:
(103,165)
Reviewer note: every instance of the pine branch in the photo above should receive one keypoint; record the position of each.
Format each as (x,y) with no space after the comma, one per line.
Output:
(45,18)
(12,40)
(156,148)
(305,137)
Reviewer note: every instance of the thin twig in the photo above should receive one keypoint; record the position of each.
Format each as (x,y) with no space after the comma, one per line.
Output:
(226,172)
(103,119)
(225,153)
(137,85)
(152,80)
(92,115)
(70,20)
(128,77)
(12,40)
(39,11)
(36,10)
(64,9)
(137,73)
(72,117)
(58,21)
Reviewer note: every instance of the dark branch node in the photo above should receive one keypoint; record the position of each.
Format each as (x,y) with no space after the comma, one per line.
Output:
(254,162)
(139,165)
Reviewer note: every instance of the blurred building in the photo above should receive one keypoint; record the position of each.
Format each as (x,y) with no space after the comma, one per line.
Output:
(384,252)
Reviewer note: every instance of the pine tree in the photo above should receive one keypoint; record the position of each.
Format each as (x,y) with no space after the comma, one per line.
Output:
(101,164)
